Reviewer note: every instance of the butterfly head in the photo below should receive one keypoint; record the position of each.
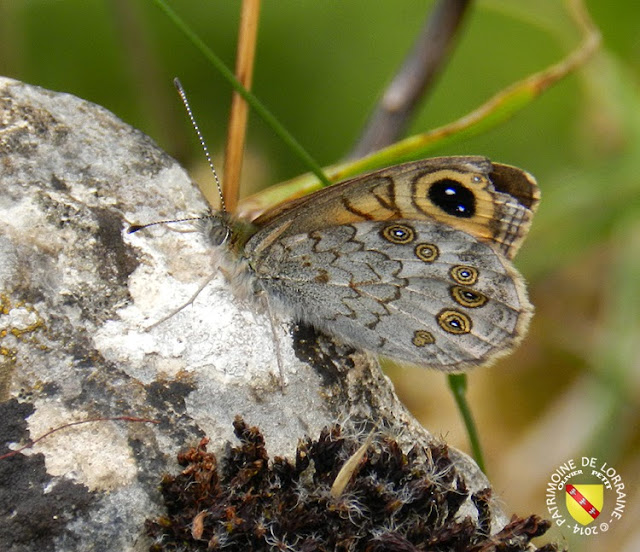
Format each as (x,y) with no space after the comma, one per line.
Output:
(217,228)
(227,231)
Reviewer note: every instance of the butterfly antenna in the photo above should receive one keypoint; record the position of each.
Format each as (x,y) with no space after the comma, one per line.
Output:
(185,101)
(183,96)
(135,227)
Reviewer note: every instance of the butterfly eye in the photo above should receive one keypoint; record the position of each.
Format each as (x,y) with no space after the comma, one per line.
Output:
(219,234)
(453,198)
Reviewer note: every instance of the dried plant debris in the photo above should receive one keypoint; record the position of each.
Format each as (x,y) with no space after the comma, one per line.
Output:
(391,500)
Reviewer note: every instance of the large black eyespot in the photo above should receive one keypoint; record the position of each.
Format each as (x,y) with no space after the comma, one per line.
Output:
(453,198)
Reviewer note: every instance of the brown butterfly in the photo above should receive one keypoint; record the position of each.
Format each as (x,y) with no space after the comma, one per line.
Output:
(411,262)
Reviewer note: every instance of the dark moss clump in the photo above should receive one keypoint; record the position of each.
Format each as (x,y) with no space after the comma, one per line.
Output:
(393,501)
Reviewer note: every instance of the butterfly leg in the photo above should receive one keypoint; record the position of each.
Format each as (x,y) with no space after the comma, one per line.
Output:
(273,320)
(184,305)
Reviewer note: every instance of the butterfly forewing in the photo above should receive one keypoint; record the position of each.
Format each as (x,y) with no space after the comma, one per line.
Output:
(491,201)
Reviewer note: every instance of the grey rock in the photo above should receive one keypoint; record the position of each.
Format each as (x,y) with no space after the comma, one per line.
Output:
(80,304)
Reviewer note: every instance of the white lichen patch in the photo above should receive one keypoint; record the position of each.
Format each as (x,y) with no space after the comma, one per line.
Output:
(201,328)
(21,319)
(95,454)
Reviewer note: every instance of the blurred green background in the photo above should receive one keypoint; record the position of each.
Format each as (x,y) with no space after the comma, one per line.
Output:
(573,387)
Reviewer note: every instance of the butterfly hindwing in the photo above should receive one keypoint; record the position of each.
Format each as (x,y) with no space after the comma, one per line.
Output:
(414,290)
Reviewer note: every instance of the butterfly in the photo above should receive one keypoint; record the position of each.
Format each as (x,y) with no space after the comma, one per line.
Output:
(411,262)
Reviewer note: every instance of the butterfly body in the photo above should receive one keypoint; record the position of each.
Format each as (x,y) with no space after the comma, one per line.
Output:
(412,262)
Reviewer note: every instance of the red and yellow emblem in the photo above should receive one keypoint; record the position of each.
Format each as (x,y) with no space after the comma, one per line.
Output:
(584,502)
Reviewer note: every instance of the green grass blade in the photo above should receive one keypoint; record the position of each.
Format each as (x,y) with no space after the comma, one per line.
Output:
(252,100)
(458,386)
